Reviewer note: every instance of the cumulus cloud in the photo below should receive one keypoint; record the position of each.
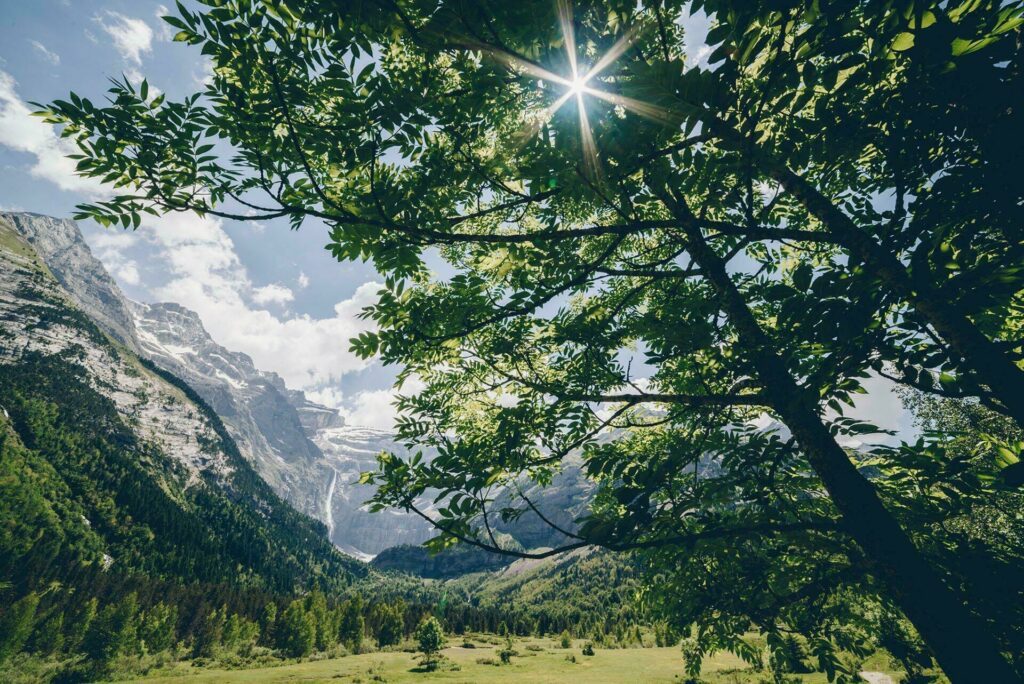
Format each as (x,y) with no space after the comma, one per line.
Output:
(207,276)
(111,248)
(372,409)
(132,37)
(272,294)
(166,31)
(328,396)
(303,280)
(21,131)
(47,54)
(695,32)
(204,273)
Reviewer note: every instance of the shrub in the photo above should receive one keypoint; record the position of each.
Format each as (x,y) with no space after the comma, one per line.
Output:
(588,649)
(506,653)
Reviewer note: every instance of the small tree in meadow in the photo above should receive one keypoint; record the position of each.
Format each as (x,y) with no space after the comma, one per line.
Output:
(507,652)
(430,637)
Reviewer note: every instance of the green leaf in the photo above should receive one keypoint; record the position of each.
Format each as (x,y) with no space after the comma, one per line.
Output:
(904,41)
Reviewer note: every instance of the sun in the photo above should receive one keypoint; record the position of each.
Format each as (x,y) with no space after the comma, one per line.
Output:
(582,83)
(578,86)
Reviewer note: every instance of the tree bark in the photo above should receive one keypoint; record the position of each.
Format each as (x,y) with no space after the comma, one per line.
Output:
(985,359)
(962,645)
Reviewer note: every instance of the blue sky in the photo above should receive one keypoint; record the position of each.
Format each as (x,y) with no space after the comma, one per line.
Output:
(260,288)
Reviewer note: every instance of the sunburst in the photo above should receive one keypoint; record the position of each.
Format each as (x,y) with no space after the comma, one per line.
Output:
(581,83)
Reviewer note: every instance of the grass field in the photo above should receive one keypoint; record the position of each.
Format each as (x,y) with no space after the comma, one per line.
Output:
(539,660)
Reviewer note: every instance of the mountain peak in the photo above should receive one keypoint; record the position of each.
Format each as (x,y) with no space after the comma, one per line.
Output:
(59,243)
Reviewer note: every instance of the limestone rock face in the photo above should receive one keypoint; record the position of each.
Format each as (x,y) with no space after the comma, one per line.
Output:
(348,451)
(304,450)
(39,318)
(60,245)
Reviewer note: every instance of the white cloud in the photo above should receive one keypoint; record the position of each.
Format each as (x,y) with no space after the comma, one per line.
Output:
(372,409)
(695,32)
(132,37)
(328,396)
(21,131)
(205,75)
(49,55)
(272,294)
(207,277)
(205,272)
(303,280)
(165,30)
(110,247)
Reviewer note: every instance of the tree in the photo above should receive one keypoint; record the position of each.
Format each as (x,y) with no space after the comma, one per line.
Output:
(114,632)
(158,627)
(296,631)
(719,228)
(16,625)
(506,653)
(565,639)
(240,634)
(352,625)
(210,634)
(390,621)
(430,640)
(48,637)
(326,621)
(268,622)
(80,624)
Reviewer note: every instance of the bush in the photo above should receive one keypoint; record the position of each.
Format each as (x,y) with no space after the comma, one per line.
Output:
(565,640)
(588,649)
(506,653)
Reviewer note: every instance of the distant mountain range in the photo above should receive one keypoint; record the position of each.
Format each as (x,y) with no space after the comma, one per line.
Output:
(304,450)
(109,461)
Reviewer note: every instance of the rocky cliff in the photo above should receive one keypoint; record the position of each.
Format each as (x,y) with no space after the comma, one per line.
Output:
(126,456)
(59,243)
(255,406)
(303,449)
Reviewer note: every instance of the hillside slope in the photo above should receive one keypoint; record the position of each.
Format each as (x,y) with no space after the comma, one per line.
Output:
(305,451)
(110,463)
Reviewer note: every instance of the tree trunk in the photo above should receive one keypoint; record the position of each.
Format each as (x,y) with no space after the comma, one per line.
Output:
(978,354)
(961,643)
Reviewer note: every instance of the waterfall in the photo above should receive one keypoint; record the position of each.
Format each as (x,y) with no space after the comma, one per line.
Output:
(329,508)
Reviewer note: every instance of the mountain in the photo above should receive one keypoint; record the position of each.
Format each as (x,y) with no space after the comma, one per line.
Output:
(113,465)
(254,405)
(59,243)
(303,449)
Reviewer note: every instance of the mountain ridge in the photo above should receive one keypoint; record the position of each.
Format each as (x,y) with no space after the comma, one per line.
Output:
(302,449)
(123,465)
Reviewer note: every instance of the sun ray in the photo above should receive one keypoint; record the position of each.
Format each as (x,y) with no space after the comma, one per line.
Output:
(614,52)
(520,64)
(568,35)
(578,85)
(590,160)
(644,109)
